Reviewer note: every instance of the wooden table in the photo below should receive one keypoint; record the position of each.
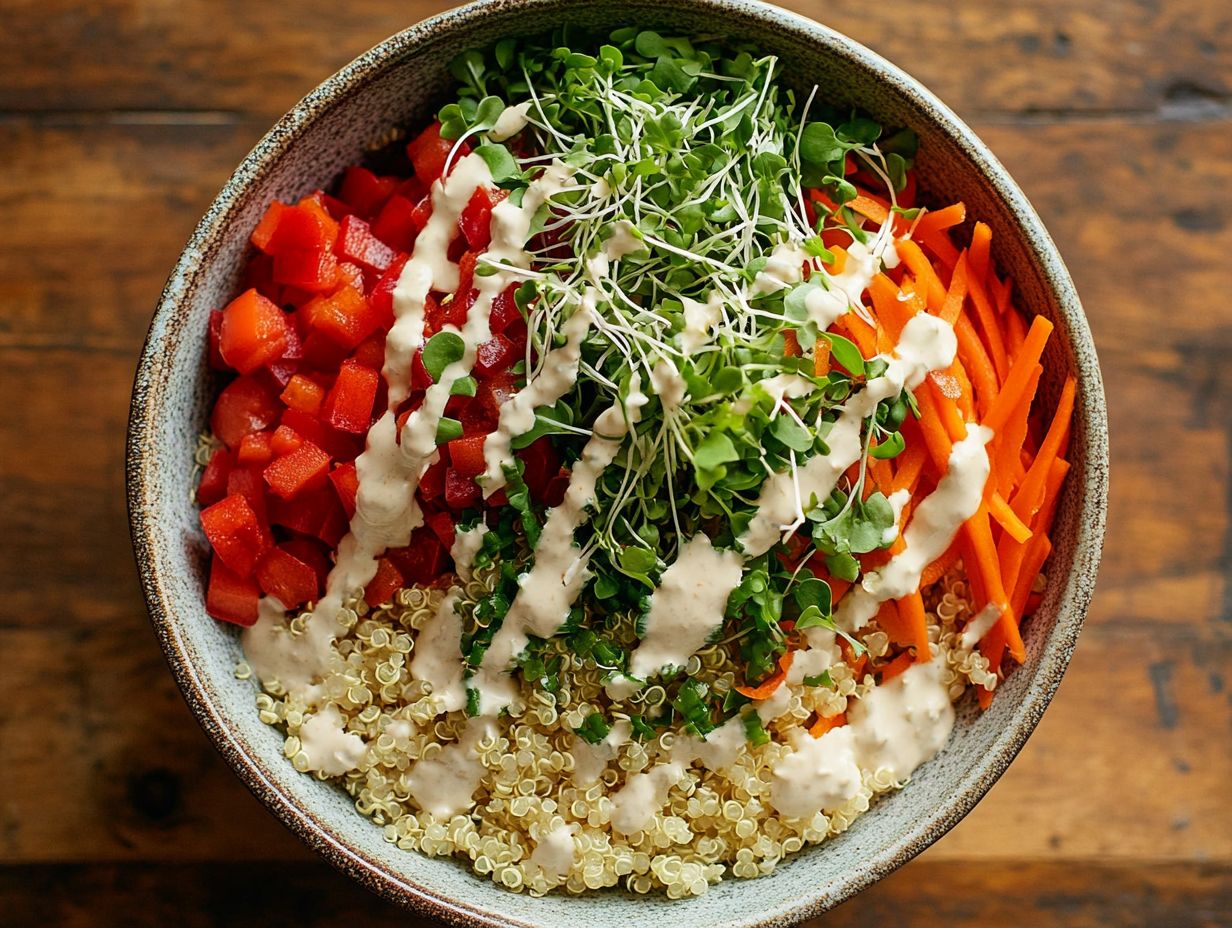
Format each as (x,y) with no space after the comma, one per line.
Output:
(119,121)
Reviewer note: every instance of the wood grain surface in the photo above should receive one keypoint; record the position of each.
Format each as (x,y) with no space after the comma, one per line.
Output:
(119,121)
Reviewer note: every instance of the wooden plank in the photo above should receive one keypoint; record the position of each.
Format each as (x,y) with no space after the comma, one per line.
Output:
(1139,715)
(995,56)
(286,895)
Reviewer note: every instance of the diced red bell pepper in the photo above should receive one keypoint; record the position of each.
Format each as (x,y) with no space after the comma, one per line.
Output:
(461,491)
(346,484)
(307,226)
(371,351)
(233,529)
(442,526)
(432,483)
(348,407)
(382,587)
(350,274)
(381,296)
(254,332)
(314,512)
(304,394)
(420,378)
(495,392)
(263,234)
(338,445)
(305,468)
(423,560)
(476,418)
(428,153)
(336,208)
(364,191)
(475,222)
(398,223)
(217,362)
(213,485)
(466,279)
(322,352)
(542,464)
(245,405)
(309,270)
(284,441)
(259,276)
(246,481)
(311,552)
(343,316)
(255,449)
(286,578)
(231,597)
(553,493)
(496,354)
(356,243)
(505,310)
(466,455)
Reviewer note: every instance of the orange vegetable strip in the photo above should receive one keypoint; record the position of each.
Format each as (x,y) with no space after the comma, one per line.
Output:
(1007,466)
(941,566)
(791,344)
(952,305)
(894,624)
(1015,382)
(869,208)
(1015,333)
(1000,510)
(892,312)
(977,363)
(989,568)
(1037,553)
(1030,496)
(860,332)
(766,688)
(938,220)
(922,268)
(911,611)
(908,466)
(897,666)
(882,476)
(824,724)
(991,327)
(936,438)
(981,241)
(947,409)
(821,358)
(939,244)
(1010,552)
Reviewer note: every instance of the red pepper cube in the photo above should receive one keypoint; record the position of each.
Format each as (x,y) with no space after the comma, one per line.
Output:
(338,445)
(505,311)
(371,351)
(213,484)
(542,465)
(461,491)
(217,361)
(475,222)
(233,529)
(304,394)
(284,441)
(398,224)
(382,587)
(381,296)
(348,407)
(254,332)
(263,234)
(305,468)
(246,405)
(255,449)
(346,483)
(286,578)
(357,244)
(364,191)
(422,561)
(442,526)
(496,354)
(428,153)
(306,269)
(466,455)
(311,552)
(344,317)
(246,480)
(494,393)
(432,483)
(231,597)
(314,512)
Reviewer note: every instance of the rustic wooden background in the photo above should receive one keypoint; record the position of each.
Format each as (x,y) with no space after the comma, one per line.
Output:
(119,121)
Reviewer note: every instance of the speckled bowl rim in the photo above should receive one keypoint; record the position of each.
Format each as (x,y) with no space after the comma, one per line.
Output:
(1091,495)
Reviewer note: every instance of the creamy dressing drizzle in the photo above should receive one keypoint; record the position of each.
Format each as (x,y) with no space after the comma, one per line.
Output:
(511,121)
(590,760)
(466,545)
(927,344)
(687,607)
(980,626)
(634,805)
(437,656)
(668,385)
(932,528)
(554,852)
(896,727)
(548,589)
(330,749)
(700,320)
(445,784)
(898,501)
(557,375)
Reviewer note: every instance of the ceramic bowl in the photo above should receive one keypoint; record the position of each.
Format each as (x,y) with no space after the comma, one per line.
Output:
(399,83)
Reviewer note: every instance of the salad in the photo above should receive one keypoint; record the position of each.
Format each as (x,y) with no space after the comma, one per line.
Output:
(618,483)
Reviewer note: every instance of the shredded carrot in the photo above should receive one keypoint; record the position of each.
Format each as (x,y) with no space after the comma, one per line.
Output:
(911,612)
(1015,332)
(897,666)
(1030,496)
(821,358)
(791,345)
(941,566)
(766,688)
(984,562)
(977,363)
(938,220)
(1036,554)
(1017,377)
(908,466)
(1007,465)
(952,306)
(990,326)
(920,266)
(869,208)
(981,241)
(825,724)
(1000,510)
(893,624)
(860,332)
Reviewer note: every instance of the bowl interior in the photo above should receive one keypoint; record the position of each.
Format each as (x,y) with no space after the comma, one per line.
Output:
(399,84)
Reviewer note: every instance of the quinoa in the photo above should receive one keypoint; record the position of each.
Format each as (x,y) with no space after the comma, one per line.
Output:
(715,823)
